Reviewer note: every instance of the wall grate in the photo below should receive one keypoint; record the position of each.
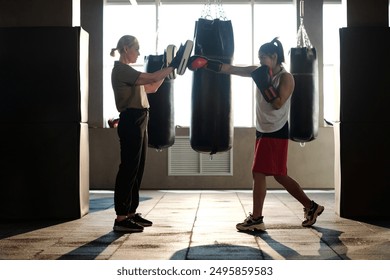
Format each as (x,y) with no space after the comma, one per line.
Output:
(184,161)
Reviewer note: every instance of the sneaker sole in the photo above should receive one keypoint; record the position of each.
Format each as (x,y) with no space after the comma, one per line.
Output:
(186,55)
(125,229)
(317,213)
(170,54)
(259,227)
(143,224)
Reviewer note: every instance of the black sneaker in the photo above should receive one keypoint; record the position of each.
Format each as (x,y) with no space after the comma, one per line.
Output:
(251,224)
(127,225)
(311,214)
(141,221)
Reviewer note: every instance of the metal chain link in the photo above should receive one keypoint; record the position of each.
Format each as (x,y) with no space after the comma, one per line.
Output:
(303,40)
(215,7)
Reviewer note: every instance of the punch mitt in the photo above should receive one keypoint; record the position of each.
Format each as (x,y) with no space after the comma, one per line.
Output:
(169,54)
(180,60)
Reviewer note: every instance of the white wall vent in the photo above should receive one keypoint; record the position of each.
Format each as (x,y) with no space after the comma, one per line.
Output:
(184,161)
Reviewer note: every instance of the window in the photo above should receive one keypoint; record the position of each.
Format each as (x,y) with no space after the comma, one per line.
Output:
(286,30)
(176,30)
(334,18)
(122,20)
(173,23)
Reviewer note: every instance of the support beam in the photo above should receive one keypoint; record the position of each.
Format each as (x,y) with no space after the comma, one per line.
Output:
(17,13)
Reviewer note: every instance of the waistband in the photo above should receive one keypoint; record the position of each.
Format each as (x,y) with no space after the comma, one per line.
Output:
(282,133)
(137,109)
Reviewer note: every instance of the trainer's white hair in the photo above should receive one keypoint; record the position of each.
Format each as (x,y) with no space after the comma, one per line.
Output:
(126,40)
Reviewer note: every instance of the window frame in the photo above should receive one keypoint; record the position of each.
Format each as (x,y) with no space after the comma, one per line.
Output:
(248,88)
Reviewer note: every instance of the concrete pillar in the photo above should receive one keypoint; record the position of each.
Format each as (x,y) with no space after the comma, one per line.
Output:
(362,153)
(44,168)
(367,13)
(39,13)
(92,22)
(313,25)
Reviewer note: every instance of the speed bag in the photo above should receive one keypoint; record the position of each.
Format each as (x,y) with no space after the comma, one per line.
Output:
(304,110)
(211,129)
(161,126)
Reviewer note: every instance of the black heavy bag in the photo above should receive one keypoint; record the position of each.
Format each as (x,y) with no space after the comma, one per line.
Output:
(161,127)
(304,109)
(212,119)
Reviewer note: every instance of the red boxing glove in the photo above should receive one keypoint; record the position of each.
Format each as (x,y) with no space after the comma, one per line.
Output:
(197,62)
(113,123)
(262,76)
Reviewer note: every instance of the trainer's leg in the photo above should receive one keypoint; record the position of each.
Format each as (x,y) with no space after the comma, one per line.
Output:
(131,142)
(294,189)
(259,193)
(140,172)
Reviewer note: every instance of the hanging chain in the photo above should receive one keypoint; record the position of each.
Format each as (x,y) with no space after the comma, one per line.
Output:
(217,7)
(221,11)
(206,12)
(303,40)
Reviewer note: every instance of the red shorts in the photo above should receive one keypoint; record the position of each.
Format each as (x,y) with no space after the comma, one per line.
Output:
(270,156)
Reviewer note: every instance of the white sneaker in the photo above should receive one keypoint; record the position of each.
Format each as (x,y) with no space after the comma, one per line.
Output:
(311,214)
(251,224)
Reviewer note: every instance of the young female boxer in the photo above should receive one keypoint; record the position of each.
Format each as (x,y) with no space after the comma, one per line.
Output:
(274,88)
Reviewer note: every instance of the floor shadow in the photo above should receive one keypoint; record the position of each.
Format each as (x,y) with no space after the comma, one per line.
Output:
(283,250)
(379,223)
(93,249)
(332,239)
(100,204)
(11,227)
(330,246)
(97,204)
(219,251)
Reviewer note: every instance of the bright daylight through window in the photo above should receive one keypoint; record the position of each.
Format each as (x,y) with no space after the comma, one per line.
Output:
(156,28)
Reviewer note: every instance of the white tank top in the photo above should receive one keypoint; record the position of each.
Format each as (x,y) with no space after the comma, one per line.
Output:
(267,118)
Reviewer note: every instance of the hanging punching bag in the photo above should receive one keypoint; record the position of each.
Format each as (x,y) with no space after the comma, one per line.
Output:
(304,109)
(161,126)
(211,128)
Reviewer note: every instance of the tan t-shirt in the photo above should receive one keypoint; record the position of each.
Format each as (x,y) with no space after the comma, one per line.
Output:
(127,94)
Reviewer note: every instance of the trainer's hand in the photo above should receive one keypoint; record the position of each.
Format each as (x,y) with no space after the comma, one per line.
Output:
(176,60)
(196,62)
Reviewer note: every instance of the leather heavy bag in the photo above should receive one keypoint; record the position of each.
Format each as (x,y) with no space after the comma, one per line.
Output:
(304,111)
(211,116)
(161,126)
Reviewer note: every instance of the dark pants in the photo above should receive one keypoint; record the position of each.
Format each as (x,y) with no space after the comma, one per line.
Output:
(133,136)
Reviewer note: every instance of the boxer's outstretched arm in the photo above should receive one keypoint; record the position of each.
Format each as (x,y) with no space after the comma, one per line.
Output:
(244,71)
